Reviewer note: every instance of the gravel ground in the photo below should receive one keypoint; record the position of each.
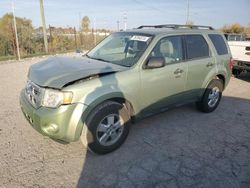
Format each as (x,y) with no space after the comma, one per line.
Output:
(178,148)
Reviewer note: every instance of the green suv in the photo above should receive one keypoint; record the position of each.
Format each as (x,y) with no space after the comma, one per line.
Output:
(128,76)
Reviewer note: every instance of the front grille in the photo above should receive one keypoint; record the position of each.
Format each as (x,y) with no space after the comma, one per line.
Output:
(34,94)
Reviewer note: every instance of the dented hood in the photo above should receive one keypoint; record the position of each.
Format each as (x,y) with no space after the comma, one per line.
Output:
(56,72)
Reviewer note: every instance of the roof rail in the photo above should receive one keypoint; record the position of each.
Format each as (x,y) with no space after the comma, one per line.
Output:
(174,26)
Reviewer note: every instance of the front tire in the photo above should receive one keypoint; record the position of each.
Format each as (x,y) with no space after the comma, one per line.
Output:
(211,97)
(107,127)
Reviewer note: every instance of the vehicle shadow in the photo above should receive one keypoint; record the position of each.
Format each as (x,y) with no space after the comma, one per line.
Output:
(180,147)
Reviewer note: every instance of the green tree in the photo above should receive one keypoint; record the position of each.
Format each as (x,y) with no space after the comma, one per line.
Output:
(247,30)
(85,24)
(7,31)
(24,30)
(233,28)
(189,23)
(5,46)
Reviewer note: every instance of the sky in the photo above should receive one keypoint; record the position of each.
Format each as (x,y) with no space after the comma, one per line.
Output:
(106,13)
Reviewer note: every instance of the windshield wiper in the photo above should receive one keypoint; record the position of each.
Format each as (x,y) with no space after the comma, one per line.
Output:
(99,59)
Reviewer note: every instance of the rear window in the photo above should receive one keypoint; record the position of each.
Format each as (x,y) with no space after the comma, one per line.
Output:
(197,47)
(219,44)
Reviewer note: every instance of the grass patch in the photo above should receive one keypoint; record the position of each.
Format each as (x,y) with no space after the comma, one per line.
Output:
(6,58)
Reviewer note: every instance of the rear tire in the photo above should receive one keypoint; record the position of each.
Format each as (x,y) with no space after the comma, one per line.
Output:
(107,127)
(212,96)
(236,73)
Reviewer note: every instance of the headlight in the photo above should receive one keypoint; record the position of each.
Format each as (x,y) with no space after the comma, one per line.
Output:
(53,98)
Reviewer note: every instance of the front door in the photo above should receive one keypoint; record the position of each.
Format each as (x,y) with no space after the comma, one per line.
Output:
(161,87)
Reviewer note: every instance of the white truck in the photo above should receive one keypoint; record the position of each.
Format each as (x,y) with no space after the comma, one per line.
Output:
(240,49)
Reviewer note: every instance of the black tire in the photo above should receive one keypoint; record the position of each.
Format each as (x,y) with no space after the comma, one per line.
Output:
(98,115)
(203,105)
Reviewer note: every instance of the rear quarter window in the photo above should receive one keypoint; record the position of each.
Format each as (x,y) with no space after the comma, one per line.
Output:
(218,43)
(197,47)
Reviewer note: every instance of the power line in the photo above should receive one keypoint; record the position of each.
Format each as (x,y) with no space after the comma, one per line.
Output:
(147,6)
(187,12)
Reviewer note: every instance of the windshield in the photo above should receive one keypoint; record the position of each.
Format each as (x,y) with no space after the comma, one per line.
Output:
(121,48)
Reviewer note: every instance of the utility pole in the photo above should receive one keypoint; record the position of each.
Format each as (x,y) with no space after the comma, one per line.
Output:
(105,27)
(75,37)
(95,31)
(187,12)
(44,26)
(50,38)
(80,30)
(80,21)
(125,20)
(14,21)
(118,25)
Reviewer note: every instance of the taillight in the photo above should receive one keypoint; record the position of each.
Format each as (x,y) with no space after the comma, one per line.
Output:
(231,63)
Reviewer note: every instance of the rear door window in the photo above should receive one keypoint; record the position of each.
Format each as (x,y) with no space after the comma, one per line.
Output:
(218,43)
(197,47)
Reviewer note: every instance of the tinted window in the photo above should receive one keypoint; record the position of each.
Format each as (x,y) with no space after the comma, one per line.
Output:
(170,48)
(219,44)
(197,47)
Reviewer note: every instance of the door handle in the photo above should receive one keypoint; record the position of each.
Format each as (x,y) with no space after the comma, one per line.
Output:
(210,64)
(178,71)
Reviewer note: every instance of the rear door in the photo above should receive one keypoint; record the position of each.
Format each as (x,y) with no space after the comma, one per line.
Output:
(223,55)
(201,64)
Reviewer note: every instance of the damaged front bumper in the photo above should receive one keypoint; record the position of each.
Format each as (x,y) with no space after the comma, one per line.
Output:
(63,123)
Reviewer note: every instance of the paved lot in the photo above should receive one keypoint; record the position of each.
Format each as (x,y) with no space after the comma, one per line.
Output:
(178,148)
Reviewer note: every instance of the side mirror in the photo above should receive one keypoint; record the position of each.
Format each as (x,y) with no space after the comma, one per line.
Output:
(155,62)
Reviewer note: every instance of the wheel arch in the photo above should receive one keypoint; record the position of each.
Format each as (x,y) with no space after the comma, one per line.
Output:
(124,101)
(216,76)
(116,97)
(222,78)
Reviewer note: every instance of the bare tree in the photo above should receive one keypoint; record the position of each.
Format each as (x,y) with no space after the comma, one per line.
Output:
(85,24)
